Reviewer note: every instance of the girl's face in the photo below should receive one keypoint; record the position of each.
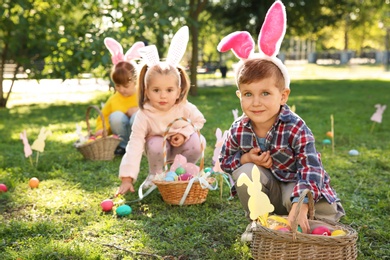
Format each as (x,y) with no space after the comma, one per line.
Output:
(163,91)
(126,90)
(261,101)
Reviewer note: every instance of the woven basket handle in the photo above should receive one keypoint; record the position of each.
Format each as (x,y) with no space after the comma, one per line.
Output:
(101,116)
(294,224)
(201,165)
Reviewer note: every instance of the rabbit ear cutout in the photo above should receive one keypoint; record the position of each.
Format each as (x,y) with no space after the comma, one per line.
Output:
(150,55)
(273,30)
(178,46)
(241,43)
(115,49)
(133,53)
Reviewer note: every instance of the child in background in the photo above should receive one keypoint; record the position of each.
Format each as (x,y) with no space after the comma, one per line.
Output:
(120,109)
(163,90)
(269,135)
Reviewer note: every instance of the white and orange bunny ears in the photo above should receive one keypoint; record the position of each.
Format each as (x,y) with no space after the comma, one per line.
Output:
(116,51)
(176,50)
(270,38)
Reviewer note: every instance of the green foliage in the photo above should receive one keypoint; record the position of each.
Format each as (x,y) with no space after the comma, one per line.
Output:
(62,219)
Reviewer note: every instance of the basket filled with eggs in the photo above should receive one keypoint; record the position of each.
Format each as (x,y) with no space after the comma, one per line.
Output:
(184,183)
(274,238)
(100,148)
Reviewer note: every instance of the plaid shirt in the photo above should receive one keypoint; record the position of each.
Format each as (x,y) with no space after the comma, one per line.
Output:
(292,148)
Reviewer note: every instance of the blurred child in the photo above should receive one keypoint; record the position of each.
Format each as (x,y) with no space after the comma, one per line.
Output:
(120,109)
(163,90)
(269,135)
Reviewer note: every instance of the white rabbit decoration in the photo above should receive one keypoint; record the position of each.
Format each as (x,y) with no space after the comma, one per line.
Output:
(27,147)
(235,114)
(259,204)
(377,116)
(218,146)
(39,144)
(82,138)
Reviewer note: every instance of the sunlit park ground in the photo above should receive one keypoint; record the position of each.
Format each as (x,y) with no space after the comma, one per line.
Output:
(62,219)
(81,90)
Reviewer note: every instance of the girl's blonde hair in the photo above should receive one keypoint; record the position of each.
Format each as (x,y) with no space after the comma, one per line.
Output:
(253,70)
(144,79)
(123,73)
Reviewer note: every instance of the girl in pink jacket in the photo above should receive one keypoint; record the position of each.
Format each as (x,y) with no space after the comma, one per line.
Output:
(162,95)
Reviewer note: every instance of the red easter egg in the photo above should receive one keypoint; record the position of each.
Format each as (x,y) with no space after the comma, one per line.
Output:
(3,188)
(185,177)
(107,205)
(321,230)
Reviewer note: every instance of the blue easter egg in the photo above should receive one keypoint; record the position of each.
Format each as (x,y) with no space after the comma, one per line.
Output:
(326,141)
(123,210)
(171,174)
(169,178)
(353,152)
(208,169)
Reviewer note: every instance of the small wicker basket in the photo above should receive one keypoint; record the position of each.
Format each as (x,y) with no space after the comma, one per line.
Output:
(172,192)
(101,149)
(273,244)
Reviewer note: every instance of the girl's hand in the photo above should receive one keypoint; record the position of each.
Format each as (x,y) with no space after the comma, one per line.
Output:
(126,186)
(177,140)
(131,111)
(302,217)
(99,132)
(263,159)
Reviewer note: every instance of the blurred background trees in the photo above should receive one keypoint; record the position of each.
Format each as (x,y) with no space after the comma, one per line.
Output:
(64,39)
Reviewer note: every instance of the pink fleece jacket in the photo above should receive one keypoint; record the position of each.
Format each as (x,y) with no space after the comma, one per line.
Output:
(151,122)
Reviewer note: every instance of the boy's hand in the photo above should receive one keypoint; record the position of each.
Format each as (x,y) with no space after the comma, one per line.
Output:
(302,217)
(264,159)
(126,186)
(177,140)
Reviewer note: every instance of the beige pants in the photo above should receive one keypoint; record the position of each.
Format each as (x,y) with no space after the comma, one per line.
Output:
(279,194)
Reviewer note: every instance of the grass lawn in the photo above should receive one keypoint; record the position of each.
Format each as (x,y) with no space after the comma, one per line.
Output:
(62,219)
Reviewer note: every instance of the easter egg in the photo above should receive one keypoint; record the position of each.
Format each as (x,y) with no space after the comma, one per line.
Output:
(107,205)
(326,141)
(338,232)
(180,170)
(171,174)
(3,187)
(321,230)
(169,178)
(299,229)
(353,152)
(329,134)
(185,177)
(123,210)
(208,169)
(282,228)
(33,183)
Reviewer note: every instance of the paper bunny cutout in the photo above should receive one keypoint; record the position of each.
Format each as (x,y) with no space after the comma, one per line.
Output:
(82,138)
(176,50)
(181,161)
(270,38)
(218,146)
(27,147)
(377,116)
(39,144)
(116,50)
(258,203)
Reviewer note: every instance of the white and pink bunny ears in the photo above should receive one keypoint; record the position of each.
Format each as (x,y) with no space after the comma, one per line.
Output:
(176,50)
(116,51)
(270,38)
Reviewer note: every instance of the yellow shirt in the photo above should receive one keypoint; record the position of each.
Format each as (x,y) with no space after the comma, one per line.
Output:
(116,102)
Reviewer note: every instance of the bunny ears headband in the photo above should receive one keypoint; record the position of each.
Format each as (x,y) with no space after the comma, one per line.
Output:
(176,51)
(270,38)
(116,51)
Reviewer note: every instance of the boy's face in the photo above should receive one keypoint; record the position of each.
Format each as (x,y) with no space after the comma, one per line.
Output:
(261,101)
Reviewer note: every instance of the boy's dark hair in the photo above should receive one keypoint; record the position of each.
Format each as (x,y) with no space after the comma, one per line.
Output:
(253,70)
(123,72)
(157,69)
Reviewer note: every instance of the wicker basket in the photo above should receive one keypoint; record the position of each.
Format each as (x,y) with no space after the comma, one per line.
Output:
(172,192)
(101,149)
(273,244)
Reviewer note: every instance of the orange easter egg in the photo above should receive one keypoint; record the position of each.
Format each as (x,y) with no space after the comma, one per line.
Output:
(329,134)
(33,183)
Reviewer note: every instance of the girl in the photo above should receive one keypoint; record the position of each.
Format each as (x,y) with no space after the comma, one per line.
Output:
(162,95)
(120,109)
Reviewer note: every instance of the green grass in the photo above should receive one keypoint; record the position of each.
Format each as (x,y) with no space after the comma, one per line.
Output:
(62,219)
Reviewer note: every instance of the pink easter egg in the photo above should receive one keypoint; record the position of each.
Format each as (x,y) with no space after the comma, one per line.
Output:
(321,230)
(185,177)
(107,205)
(3,187)
(284,229)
